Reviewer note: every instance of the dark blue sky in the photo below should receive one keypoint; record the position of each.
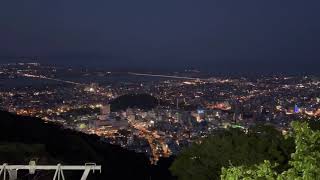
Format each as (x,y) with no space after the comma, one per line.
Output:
(214,35)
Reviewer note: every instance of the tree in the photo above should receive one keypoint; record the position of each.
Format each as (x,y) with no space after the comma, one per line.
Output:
(141,101)
(304,163)
(262,171)
(204,160)
(23,153)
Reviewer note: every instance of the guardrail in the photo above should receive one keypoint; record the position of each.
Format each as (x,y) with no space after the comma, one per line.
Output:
(11,171)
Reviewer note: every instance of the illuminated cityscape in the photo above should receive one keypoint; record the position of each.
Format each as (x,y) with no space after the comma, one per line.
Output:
(160,90)
(190,105)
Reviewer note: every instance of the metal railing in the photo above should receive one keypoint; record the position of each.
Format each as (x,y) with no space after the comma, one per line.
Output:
(11,171)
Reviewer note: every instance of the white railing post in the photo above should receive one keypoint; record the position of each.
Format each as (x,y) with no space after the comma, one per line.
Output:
(2,168)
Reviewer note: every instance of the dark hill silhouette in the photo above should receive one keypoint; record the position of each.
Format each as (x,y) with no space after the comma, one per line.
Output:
(30,137)
(141,101)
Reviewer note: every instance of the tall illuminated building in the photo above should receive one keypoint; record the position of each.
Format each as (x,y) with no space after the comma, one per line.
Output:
(105,110)
(296,109)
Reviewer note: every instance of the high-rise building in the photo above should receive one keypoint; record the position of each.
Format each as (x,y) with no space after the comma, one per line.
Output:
(105,109)
(296,109)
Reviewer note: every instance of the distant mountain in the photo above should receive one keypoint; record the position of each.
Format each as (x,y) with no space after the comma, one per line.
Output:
(142,101)
(25,138)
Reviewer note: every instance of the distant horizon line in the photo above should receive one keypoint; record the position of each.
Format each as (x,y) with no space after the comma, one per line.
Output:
(147,71)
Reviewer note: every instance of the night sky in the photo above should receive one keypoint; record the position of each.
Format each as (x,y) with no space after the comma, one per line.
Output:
(212,35)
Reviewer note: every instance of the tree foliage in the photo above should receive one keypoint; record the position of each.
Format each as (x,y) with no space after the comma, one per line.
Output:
(304,163)
(204,160)
(17,152)
(142,101)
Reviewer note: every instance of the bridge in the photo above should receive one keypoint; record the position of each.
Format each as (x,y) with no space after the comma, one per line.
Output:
(165,76)
(48,78)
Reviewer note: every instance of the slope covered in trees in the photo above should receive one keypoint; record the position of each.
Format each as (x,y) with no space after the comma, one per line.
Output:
(142,101)
(304,162)
(203,161)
